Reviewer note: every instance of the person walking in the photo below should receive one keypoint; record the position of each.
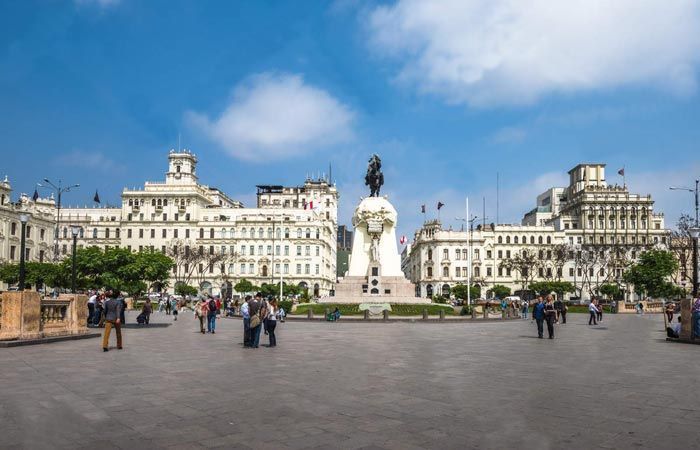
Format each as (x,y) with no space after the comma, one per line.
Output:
(200,312)
(550,313)
(173,307)
(526,306)
(670,309)
(696,318)
(538,315)
(146,310)
(558,304)
(600,310)
(99,318)
(211,316)
(272,322)
(122,314)
(113,312)
(91,308)
(563,311)
(255,307)
(168,306)
(593,311)
(245,313)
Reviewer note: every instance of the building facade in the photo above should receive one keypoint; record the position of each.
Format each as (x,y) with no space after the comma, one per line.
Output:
(585,233)
(39,231)
(214,240)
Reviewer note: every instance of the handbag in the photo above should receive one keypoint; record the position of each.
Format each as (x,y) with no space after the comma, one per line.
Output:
(254,321)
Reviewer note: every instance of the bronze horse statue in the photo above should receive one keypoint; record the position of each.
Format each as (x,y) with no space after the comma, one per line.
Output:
(374,178)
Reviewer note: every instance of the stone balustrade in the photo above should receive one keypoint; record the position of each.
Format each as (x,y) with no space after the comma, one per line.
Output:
(649,307)
(26,316)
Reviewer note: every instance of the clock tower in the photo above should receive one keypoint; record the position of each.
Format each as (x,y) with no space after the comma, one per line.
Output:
(181,167)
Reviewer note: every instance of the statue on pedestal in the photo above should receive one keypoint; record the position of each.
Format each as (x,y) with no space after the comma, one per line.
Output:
(374,177)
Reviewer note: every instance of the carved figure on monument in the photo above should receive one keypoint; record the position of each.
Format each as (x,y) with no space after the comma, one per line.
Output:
(374,249)
(374,177)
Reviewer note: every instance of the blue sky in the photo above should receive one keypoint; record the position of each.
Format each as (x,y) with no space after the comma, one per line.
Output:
(447,92)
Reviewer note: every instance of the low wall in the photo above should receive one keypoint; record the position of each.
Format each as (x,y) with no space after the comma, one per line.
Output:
(631,308)
(26,316)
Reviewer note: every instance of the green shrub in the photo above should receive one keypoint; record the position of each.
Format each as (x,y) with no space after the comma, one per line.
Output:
(286,304)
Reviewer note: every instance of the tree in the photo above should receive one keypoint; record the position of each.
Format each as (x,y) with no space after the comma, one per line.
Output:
(499,291)
(524,264)
(460,291)
(650,275)
(244,286)
(609,290)
(154,267)
(184,289)
(562,287)
(681,245)
(542,287)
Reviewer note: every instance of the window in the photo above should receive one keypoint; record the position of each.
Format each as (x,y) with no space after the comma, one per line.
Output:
(500,239)
(153,233)
(446,272)
(430,255)
(117,232)
(269,233)
(261,233)
(175,232)
(549,239)
(307,250)
(286,268)
(458,272)
(318,251)
(507,239)
(298,233)
(317,269)
(277,250)
(429,272)
(286,233)
(251,268)
(211,249)
(286,250)
(211,233)
(298,250)
(508,254)
(539,239)
(298,269)
(13,249)
(128,233)
(94,233)
(42,232)
(252,250)
(458,254)
(269,250)
(260,250)
(201,233)
(278,233)
(242,269)
(308,233)
(500,254)
(445,254)
(515,240)
(488,272)
(489,254)
(477,271)
(318,233)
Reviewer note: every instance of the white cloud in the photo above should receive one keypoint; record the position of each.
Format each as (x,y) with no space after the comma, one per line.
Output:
(277,116)
(509,135)
(89,160)
(505,52)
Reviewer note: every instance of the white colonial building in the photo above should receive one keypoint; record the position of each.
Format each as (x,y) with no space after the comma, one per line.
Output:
(214,240)
(39,234)
(585,233)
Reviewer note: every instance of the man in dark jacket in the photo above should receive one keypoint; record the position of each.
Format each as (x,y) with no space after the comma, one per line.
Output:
(113,311)
(254,307)
(561,310)
(539,316)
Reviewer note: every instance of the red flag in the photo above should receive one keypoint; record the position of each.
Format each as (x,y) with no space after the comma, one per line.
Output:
(403,240)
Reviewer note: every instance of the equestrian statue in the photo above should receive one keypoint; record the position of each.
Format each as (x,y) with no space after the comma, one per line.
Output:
(374,178)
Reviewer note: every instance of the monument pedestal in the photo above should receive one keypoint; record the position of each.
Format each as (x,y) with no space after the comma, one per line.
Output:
(374,274)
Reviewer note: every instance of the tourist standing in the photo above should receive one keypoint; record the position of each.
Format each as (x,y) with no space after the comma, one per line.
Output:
(91,308)
(526,306)
(200,312)
(593,311)
(245,312)
(696,318)
(564,309)
(147,310)
(670,309)
(122,314)
(98,319)
(255,307)
(211,316)
(600,310)
(113,311)
(558,304)
(538,316)
(272,322)
(168,306)
(550,313)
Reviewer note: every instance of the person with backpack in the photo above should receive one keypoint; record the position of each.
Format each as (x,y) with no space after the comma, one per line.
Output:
(211,316)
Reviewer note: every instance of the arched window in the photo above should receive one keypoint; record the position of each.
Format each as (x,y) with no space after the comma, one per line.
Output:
(477,271)
(286,233)
(524,239)
(500,239)
(429,290)
(539,239)
(211,233)
(261,233)
(244,232)
(308,233)
(532,239)
(446,272)
(106,233)
(429,272)
(507,239)
(94,233)
(298,233)
(445,289)
(278,233)
(269,233)
(318,233)
(549,239)
(264,271)
(430,254)
(515,239)
(232,233)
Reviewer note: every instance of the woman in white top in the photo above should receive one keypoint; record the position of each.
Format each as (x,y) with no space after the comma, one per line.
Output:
(272,322)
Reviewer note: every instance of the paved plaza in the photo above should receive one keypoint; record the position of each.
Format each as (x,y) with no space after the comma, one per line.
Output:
(358,385)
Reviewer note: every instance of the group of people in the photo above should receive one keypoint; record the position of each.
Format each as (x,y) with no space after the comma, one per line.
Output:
(96,307)
(259,314)
(595,310)
(544,311)
(206,310)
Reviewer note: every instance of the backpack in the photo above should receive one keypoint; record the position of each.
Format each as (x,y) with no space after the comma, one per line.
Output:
(212,306)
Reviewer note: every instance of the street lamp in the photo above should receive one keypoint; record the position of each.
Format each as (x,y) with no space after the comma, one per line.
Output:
(695,234)
(75,230)
(60,189)
(470,225)
(23,218)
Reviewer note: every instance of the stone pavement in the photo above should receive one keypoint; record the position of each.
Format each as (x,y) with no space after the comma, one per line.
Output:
(358,385)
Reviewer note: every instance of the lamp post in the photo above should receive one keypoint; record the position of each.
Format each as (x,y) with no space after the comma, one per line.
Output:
(470,225)
(695,234)
(75,230)
(23,218)
(60,189)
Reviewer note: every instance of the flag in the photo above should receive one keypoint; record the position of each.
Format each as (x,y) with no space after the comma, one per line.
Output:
(440,205)
(97,197)
(621,172)
(310,205)
(422,209)
(35,197)
(403,240)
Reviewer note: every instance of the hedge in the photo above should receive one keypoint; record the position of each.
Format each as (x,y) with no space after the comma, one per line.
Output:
(353,310)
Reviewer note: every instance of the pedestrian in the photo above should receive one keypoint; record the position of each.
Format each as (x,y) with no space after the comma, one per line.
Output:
(538,315)
(550,316)
(600,310)
(245,313)
(670,309)
(146,310)
(211,315)
(200,312)
(91,308)
(173,306)
(113,310)
(168,306)
(255,307)
(122,314)
(281,314)
(526,306)
(696,318)
(564,309)
(218,305)
(558,306)
(272,322)
(593,311)
(98,319)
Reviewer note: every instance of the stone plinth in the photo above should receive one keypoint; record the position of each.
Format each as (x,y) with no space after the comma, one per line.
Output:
(21,315)
(358,290)
(686,319)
